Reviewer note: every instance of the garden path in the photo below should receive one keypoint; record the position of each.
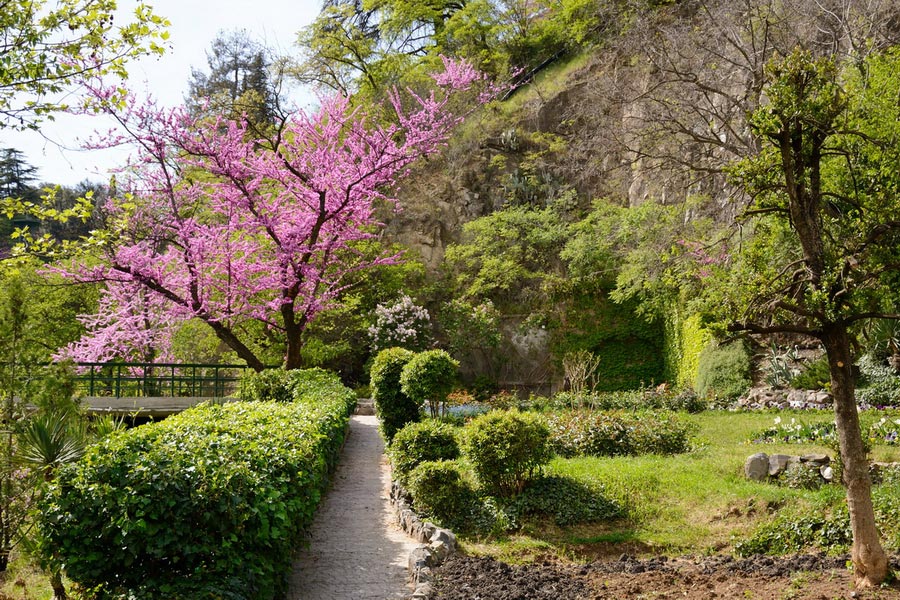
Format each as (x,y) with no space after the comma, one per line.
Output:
(356,549)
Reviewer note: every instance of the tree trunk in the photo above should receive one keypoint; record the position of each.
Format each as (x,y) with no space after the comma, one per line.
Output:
(870,563)
(56,582)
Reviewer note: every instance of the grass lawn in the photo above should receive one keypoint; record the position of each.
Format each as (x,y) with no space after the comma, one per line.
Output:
(693,503)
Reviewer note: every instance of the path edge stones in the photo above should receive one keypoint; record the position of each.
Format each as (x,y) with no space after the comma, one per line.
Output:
(436,543)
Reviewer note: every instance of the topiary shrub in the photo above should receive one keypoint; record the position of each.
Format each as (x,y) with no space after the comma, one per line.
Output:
(724,371)
(506,449)
(393,408)
(209,503)
(440,491)
(416,443)
(428,377)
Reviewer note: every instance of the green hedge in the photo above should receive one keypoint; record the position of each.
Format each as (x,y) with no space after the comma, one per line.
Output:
(206,504)
(394,408)
(429,440)
(616,433)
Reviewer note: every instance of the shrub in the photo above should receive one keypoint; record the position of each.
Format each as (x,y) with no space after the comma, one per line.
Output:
(280,385)
(440,491)
(789,534)
(208,503)
(403,324)
(265,386)
(566,501)
(880,386)
(579,433)
(394,408)
(428,377)
(724,371)
(506,449)
(416,443)
(815,376)
(802,476)
(650,398)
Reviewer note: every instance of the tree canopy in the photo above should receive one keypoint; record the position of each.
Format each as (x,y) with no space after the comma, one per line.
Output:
(46,48)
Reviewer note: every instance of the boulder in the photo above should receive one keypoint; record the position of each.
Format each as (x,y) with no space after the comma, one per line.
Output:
(778,463)
(757,467)
(819,460)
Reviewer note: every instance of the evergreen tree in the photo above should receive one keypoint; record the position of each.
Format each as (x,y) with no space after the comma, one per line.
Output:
(238,82)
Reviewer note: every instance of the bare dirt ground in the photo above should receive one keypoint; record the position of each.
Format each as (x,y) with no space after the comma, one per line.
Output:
(805,577)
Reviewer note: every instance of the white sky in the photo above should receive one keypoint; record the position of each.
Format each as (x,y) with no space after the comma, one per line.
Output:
(195,24)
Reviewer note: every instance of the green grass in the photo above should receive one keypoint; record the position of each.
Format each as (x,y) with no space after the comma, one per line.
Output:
(23,581)
(698,502)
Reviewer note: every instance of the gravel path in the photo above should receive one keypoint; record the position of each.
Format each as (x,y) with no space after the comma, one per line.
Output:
(356,551)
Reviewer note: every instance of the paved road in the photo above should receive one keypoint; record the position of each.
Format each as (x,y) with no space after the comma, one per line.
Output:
(356,550)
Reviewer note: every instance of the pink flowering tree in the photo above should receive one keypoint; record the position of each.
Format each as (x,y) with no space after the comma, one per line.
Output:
(210,222)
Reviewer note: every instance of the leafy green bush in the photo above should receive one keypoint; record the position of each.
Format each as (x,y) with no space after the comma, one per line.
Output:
(723,371)
(440,491)
(428,440)
(879,385)
(566,501)
(788,534)
(206,504)
(615,433)
(816,376)
(394,408)
(506,449)
(265,386)
(280,385)
(428,377)
(802,476)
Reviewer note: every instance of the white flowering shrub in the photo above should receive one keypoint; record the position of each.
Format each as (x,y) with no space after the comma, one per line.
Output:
(404,324)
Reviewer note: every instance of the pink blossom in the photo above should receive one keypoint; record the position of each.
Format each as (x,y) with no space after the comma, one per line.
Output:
(210,223)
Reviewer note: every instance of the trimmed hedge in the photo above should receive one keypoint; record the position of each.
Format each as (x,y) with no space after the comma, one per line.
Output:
(428,377)
(506,449)
(206,504)
(279,385)
(394,408)
(429,440)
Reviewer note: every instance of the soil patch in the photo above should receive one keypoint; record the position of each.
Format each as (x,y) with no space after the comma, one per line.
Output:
(803,577)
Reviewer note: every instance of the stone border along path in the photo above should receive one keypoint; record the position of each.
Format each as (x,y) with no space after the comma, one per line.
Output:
(356,549)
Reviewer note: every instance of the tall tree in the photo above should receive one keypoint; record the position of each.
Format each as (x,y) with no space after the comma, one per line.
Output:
(231,229)
(48,47)
(238,82)
(827,219)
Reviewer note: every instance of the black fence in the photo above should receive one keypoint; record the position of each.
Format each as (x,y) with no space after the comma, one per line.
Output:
(158,380)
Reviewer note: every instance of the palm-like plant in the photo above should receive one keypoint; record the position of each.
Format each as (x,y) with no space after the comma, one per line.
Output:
(48,441)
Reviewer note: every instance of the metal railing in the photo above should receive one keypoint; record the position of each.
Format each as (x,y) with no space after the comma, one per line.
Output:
(158,380)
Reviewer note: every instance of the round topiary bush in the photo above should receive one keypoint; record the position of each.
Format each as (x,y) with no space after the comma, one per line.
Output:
(428,377)
(506,449)
(416,443)
(440,491)
(393,408)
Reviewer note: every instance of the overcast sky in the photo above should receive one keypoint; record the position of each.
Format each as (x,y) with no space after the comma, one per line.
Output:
(194,26)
